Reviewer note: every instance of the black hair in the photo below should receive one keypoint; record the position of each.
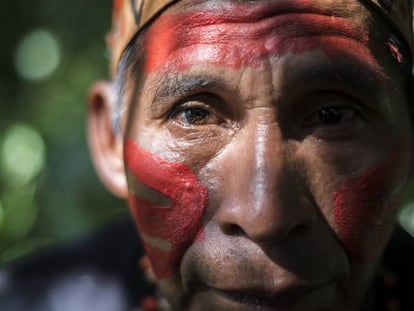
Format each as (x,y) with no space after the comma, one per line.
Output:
(131,61)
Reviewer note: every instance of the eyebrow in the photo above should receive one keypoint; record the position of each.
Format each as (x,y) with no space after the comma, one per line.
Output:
(182,85)
(172,87)
(350,73)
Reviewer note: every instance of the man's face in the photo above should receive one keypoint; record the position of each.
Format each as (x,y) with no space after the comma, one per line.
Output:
(265,154)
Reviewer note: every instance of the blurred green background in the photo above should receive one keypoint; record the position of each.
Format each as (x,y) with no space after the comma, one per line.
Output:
(51,53)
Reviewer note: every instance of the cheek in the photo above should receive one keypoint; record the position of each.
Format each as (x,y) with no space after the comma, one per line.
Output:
(365,207)
(167,231)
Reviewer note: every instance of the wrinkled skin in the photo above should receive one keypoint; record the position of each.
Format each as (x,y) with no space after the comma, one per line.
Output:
(301,141)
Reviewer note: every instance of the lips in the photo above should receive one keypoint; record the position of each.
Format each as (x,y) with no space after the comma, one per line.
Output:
(266,300)
(286,297)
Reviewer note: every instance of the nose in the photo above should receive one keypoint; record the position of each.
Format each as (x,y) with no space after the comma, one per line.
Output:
(265,194)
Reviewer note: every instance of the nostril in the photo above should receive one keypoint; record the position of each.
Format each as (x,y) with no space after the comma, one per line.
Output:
(233,229)
(301,229)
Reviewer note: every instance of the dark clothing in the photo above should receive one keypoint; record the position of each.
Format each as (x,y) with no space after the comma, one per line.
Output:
(393,288)
(101,272)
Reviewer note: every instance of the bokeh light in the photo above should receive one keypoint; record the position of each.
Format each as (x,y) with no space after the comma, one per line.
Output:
(52,52)
(37,55)
(22,153)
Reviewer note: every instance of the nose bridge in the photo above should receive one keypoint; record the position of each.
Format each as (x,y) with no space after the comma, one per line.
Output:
(271,187)
(266,203)
(266,164)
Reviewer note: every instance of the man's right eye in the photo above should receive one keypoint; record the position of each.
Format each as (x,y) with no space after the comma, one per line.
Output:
(188,116)
(195,116)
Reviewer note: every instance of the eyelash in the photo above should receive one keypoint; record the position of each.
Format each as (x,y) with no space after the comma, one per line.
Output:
(324,112)
(344,117)
(194,103)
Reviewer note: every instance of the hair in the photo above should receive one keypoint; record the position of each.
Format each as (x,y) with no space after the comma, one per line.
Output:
(133,60)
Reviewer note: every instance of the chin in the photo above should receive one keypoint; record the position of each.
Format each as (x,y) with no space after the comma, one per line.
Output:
(223,279)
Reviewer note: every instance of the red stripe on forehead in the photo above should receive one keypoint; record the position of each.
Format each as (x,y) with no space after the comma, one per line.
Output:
(178,224)
(246,37)
(117,7)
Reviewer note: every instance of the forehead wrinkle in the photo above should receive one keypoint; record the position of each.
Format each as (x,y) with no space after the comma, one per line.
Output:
(262,22)
(236,11)
(283,26)
(349,8)
(273,36)
(173,32)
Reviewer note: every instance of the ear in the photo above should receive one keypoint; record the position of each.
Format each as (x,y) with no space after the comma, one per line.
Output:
(106,146)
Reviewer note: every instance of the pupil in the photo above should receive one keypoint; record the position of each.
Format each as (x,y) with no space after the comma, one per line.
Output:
(330,115)
(195,115)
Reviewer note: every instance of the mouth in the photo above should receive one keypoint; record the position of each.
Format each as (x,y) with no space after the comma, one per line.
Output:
(292,298)
(255,300)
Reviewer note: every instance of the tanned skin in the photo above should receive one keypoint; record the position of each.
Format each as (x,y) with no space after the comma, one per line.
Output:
(264,154)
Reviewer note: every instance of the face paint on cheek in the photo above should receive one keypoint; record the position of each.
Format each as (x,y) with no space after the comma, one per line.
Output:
(167,231)
(245,37)
(365,207)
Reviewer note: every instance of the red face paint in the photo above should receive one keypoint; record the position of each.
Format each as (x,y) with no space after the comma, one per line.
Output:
(395,52)
(364,206)
(167,231)
(117,7)
(246,35)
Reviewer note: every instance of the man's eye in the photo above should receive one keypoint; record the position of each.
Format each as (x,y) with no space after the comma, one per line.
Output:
(195,116)
(331,116)
(335,115)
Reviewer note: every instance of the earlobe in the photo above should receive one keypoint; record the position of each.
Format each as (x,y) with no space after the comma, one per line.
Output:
(105,144)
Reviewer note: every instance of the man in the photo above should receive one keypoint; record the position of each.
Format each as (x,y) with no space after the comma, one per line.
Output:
(262,145)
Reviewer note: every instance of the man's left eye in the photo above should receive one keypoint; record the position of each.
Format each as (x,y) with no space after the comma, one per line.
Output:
(331,116)
(334,122)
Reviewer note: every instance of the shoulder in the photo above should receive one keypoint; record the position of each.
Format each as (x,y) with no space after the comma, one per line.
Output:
(99,272)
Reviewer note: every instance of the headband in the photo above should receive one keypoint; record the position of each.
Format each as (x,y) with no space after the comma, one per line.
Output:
(130,16)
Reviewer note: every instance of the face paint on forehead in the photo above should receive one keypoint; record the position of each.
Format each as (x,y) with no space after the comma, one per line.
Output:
(242,36)
(167,231)
(365,206)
